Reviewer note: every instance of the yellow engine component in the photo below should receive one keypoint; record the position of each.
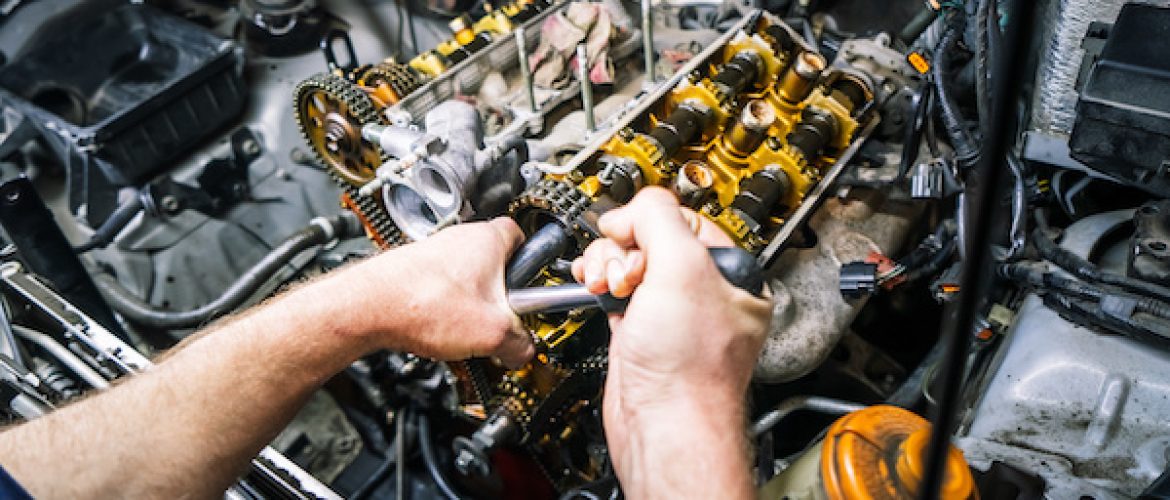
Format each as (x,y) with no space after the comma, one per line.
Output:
(429,63)
(753,135)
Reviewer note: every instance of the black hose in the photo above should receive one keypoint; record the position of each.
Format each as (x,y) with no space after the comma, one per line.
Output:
(136,310)
(1083,269)
(428,453)
(917,25)
(966,152)
(974,277)
(104,234)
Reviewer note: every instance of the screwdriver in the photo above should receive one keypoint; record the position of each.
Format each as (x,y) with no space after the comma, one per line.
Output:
(736,265)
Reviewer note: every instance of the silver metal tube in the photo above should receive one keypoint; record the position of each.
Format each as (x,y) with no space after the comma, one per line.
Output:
(586,88)
(818,404)
(70,360)
(648,42)
(550,299)
(522,55)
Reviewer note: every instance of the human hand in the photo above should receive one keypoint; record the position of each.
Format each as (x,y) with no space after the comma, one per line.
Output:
(681,355)
(452,302)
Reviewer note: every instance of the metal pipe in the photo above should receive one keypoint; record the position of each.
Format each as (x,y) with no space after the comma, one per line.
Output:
(794,404)
(70,360)
(586,88)
(648,42)
(522,55)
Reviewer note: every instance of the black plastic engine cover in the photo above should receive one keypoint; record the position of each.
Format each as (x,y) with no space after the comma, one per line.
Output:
(119,90)
(1123,115)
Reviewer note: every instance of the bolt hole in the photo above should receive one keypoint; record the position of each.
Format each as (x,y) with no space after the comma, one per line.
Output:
(1148,210)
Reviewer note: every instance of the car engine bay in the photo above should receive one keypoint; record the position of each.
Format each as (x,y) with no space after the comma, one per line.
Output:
(961,210)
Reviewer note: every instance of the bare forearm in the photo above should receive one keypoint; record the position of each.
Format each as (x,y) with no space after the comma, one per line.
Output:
(190,424)
(690,449)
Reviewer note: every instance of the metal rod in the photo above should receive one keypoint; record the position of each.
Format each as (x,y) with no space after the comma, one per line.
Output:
(791,405)
(522,56)
(586,88)
(648,42)
(550,299)
(64,355)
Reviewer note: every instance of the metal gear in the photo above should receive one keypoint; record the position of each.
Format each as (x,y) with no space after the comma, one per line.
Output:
(331,112)
(554,200)
(401,79)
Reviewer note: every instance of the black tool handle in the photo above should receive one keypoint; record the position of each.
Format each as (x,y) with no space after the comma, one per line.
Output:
(736,265)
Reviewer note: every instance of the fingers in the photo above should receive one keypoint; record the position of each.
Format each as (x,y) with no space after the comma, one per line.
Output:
(607,267)
(654,214)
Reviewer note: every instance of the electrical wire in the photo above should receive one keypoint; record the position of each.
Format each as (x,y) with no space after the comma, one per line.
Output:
(973,276)
(432,463)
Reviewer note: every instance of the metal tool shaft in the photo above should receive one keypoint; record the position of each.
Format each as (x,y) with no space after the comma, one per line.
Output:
(550,299)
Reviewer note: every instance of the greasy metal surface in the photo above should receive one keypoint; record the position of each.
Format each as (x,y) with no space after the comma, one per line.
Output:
(810,316)
(1083,409)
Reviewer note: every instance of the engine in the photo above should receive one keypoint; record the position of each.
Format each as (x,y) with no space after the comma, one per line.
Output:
(959,209)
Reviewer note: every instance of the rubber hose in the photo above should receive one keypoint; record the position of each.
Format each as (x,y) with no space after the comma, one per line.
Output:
(428,453)
(322,230)
(917,25)
(966,152)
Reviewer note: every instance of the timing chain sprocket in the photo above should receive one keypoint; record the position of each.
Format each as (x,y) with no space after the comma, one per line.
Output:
(330,112)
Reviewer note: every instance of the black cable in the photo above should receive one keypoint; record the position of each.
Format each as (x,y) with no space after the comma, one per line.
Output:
(1083,269)
(973,276)
(136,310)
(428,453)
(406,439)
(966,152)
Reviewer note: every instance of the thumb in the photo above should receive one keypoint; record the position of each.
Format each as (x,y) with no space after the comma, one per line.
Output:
(508,232)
